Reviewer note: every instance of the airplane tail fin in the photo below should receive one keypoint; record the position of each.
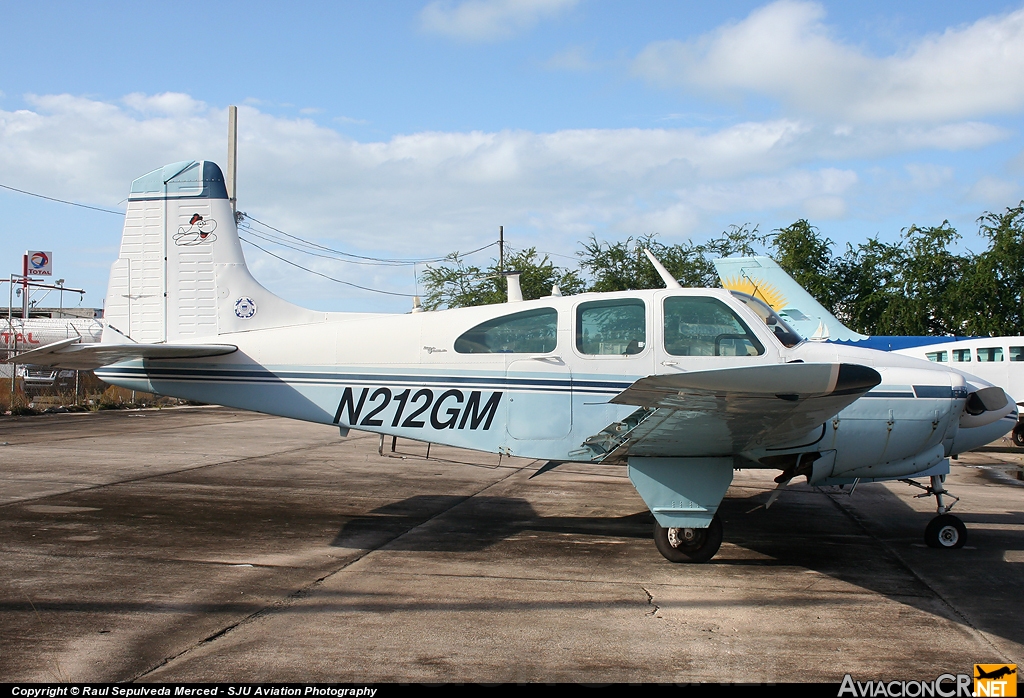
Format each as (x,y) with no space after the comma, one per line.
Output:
(763,278)
(181,275)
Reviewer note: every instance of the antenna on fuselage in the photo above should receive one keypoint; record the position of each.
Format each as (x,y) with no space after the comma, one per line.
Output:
(515,291)
(670,282)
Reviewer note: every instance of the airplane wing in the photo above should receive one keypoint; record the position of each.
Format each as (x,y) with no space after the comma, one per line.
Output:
(69,353)
(731,410)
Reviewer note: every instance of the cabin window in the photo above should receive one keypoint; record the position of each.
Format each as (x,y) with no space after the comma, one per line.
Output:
(612,327)
(1016,353)
(529,332)
(937,356)
(990,354)
(696,326)
(962,355)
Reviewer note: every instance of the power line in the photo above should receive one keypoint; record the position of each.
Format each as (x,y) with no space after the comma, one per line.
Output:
(356,256)
(251,231)
(62,201)
(557,254)
(329,278)
(370,261)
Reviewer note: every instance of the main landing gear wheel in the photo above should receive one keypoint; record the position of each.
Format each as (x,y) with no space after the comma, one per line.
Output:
(1018,435)
(945,531)
(689,544)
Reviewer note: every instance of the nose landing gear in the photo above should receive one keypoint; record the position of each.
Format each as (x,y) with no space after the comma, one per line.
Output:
(945,530)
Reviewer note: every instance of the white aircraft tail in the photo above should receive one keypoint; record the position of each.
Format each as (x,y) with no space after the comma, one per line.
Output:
(763,278)
(181,275)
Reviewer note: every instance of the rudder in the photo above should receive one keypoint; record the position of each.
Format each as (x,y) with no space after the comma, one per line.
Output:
(181,275)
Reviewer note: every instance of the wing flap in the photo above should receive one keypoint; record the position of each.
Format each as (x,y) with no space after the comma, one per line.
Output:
(728,411)
(69,353)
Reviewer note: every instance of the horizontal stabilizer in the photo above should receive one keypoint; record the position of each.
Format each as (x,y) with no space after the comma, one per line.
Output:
(70,353)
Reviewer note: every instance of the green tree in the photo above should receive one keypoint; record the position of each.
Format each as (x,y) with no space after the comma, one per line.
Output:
(993,290)
(912,287)
(807,256)
(456,284)
(623,266)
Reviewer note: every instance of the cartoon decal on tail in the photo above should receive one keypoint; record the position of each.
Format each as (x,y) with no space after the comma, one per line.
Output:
(198,231)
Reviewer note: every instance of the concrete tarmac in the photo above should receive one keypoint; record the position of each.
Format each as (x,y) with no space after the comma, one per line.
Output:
(211,544)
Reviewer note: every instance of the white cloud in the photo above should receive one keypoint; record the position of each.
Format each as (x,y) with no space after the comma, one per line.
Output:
(425,194)
(573,59)
(168,103)
(825,207)
(488,20)
(350,120)
(995,192)
(1016,163)
(928,176)
(443,187)
(785,51)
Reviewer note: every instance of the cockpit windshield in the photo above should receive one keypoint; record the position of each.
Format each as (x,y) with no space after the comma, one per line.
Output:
(783,332)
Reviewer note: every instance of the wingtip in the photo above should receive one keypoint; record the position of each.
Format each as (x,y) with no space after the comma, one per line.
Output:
(854,378)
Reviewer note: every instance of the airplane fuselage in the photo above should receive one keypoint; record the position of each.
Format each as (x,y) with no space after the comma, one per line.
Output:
(417,376)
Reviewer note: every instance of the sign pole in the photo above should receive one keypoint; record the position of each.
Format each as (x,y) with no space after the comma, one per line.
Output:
(24,286)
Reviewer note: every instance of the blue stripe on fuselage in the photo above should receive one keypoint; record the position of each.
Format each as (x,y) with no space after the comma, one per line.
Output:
(262,376)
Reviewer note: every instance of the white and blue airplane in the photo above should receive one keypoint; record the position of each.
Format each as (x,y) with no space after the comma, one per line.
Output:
(996,360)
(680,386)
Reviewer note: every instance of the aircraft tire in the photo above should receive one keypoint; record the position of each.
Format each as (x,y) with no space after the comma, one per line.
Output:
(1018,435)
(672,545)
(945,531)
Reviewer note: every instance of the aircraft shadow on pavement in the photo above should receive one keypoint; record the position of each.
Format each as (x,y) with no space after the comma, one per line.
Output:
(475,523)
(872,540)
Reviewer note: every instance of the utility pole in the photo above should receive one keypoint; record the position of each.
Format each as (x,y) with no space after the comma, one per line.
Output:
(232,156)
(501,248)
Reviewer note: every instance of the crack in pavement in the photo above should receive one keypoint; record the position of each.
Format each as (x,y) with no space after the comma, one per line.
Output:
(650,602)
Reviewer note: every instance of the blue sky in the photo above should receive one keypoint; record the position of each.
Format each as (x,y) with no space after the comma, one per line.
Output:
(417,128)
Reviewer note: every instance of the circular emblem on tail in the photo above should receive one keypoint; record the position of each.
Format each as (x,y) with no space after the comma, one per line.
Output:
(245,308)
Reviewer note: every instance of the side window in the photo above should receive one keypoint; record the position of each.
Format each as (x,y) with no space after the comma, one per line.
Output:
(530,332)
(1016,353)
(937,356)
(990,354)
(612,327)
(962,355)
(696,326)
